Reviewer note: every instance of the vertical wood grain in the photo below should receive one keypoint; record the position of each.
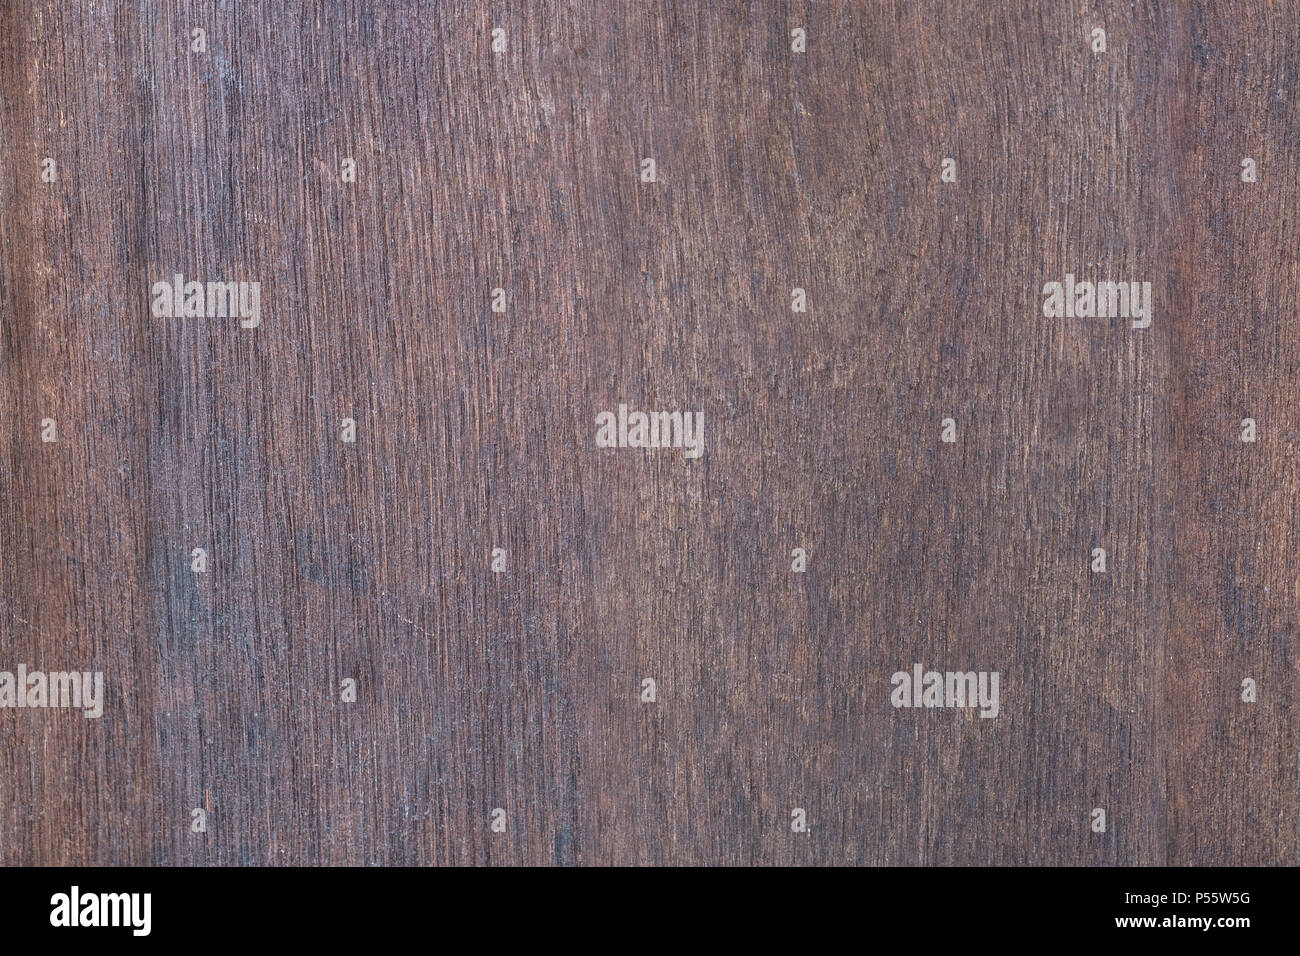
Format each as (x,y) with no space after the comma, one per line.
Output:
(476,430)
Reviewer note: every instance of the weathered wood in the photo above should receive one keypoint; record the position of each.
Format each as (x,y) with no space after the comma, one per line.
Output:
(476,430)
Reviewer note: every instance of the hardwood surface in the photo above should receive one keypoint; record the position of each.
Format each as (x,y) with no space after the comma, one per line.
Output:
(476,430)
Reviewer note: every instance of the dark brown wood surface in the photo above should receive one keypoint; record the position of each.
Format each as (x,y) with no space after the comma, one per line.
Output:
(775,169)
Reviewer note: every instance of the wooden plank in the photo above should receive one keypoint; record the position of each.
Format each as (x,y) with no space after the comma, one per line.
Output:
(775,170)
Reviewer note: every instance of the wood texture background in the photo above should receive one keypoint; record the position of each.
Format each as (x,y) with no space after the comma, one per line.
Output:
(476,430)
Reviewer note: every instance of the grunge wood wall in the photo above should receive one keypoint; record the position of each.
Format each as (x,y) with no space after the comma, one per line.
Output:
(775,169)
